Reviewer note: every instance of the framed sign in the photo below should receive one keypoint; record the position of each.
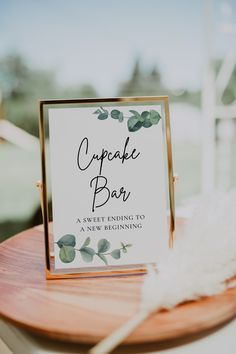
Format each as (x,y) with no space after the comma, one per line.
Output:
(107,165)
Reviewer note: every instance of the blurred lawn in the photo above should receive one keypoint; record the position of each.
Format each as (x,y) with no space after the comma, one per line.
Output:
(187,164)
(20,170)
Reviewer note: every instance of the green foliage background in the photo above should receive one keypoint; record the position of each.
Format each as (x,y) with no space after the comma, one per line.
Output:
(22,86)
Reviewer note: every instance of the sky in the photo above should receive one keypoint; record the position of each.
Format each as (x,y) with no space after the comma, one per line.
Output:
(97,41)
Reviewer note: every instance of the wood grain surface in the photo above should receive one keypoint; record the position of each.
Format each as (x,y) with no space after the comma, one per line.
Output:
(87,310)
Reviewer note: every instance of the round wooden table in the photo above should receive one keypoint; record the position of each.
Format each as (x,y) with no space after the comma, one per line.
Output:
(87,310)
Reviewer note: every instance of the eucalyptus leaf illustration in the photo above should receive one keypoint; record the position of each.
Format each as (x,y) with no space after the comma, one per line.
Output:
(68,251)
(147,122)
(154,116)
(103,258)
(135,122)
(116,254)
(145,115)
(103,245)
(103,116)
(86,242)
(87,254)
(66,240)
(115,113)
(136,114)
(98,111)
(121,117)
(124,247)
(67,254)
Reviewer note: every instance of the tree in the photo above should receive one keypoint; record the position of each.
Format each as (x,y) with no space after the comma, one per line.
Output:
(23,86)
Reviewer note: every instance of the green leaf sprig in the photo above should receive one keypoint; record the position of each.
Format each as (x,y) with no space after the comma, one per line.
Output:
(135,122)
(68,251)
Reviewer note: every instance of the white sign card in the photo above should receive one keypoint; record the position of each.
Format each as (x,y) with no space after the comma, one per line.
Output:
(109,184)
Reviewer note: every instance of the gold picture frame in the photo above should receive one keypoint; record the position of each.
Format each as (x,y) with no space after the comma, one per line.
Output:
(44,105)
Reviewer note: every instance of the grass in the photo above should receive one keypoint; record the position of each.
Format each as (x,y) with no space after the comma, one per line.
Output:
(187,164)
(20,170)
